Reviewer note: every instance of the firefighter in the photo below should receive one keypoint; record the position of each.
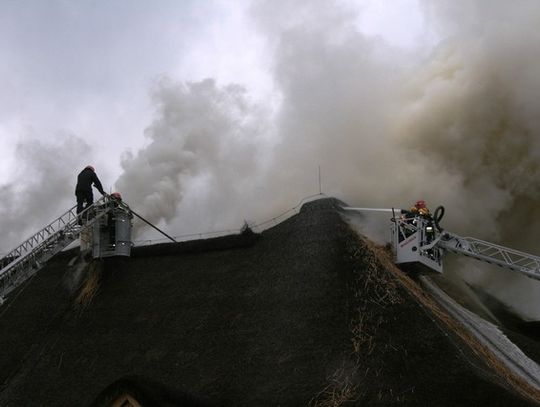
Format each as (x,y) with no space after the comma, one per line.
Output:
(116,199)
(83,190)
(421,209)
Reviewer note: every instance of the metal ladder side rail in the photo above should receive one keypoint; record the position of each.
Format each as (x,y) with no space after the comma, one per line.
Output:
(490,260)
(44,233)
(31,263)
(528,271)
(472,240)
(503,254)
(18,274)
(514,263)
(512,259)
(51,238)
(511,256)
(37,238)
(68,218)
(481,248)
(19,271)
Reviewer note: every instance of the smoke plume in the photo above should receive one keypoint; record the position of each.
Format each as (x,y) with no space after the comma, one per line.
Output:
(215,158)
(43,186)
(472,114)
(458,128)
(204,138)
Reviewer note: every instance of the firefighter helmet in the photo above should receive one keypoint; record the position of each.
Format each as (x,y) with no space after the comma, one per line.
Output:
(423,211)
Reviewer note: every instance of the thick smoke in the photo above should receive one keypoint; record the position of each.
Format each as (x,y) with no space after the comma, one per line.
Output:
(456,125)
(206,140)
(472,111)
(42,188)
(460,128)
(215,159)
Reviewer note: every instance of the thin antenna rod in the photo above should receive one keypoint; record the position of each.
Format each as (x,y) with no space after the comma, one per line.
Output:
(320,189)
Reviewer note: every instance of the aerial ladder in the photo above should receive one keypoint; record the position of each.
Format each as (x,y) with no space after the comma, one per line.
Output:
(104,229)
(420,241)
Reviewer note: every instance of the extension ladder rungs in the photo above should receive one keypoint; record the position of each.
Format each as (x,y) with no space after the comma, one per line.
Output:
(32,254)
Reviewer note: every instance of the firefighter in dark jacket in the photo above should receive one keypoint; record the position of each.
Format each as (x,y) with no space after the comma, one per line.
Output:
(83,190)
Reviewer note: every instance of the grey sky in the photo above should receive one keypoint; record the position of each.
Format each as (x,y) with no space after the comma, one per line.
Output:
(87,67)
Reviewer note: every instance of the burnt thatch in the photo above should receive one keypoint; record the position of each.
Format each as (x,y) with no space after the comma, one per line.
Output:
(304,313)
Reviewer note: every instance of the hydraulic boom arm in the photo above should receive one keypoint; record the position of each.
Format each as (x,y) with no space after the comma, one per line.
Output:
(515,260)
(419,240)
